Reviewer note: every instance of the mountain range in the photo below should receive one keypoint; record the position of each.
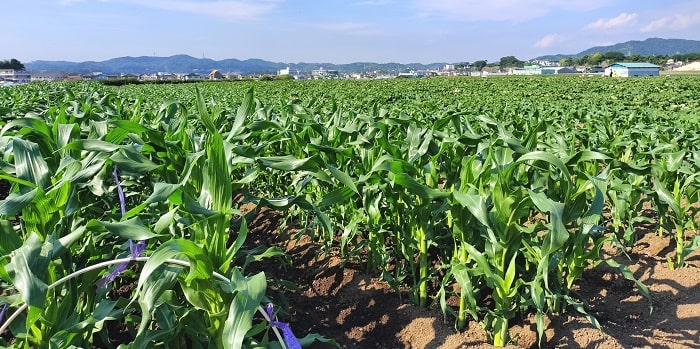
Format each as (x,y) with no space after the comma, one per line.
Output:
(187,64)
(648,47)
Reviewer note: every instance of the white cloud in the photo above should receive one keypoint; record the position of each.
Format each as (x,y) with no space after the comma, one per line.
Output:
(622,20)
(548,40)
(355,28)
(500,10)
(234,10)
(678,21)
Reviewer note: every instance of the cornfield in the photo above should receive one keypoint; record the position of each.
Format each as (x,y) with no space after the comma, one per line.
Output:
(500,192)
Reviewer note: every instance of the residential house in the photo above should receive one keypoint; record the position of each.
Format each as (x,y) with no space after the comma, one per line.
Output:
(166,76)
(16,76)
(191,77)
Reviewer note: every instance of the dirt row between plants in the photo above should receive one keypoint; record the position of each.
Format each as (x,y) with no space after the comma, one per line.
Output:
(342,302)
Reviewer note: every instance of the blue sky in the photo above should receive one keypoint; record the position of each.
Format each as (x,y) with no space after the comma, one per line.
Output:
(408,31)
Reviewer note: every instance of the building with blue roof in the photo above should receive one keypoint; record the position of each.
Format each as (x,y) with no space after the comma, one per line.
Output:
(627,69)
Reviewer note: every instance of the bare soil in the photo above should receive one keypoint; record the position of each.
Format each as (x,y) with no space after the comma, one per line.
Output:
(342,302)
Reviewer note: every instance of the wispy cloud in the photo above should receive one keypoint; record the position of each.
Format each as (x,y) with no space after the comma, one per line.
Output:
(548,40)
(500,10)
(234,10)
(678,21)
(356,28)
(622,20)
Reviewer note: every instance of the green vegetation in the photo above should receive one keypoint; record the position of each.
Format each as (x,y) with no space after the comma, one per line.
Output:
(498,192)
(11,64)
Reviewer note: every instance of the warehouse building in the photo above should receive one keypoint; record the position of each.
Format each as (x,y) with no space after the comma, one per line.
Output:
(558,70)
(632,69)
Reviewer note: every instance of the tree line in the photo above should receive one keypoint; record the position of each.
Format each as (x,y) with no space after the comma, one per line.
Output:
(11,64)
(596,59)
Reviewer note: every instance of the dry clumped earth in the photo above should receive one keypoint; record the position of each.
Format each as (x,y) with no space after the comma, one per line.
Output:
(342,302)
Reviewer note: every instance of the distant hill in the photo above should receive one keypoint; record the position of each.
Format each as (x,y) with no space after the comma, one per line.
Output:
(648,47)
(188,64)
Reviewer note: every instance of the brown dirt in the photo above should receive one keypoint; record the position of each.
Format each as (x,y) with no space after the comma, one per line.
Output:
(342,302)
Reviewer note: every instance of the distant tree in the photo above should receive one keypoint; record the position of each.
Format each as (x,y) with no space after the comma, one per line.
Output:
(12,64)
(566,62)
(581,60)
(462,66)
(510,61)
(478,65)
(594,59)
(688,57)
(614,56)
(658,59)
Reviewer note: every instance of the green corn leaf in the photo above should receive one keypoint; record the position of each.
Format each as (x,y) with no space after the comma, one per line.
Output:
(290,163)
(586,155)
(666,197)
(162,191)
(557,235)
(159,280)
(240,238)
(200,264)
(129,126)
(28,268)
(203,114)
(29,163)
(549,158)
(65,133)
(250,292)
(245,110)
(216,189)
(694,245)
(165,221)
(92,145)
(461,275)
(35,124)
(130,161)
(416,188)
(343,177)
(9,241)
(13,179)
(336,197)
(15,202)
(675,160)
(483,267)
(104,311)
(314,337)
(202,294)
(476,204)
(133,229)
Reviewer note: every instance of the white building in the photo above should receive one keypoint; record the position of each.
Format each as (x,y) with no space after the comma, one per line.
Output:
(284,71)
(191,77)
(558,70)
(48,76)
(16,76)
(324,74)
